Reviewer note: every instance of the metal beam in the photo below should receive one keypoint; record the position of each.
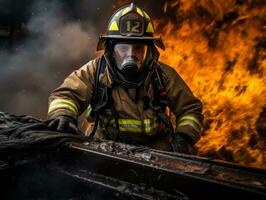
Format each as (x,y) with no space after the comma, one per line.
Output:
(178,175)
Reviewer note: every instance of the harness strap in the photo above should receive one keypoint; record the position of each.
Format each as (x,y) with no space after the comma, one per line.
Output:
(162,99)
(102,98)
(95,106)
(114,113)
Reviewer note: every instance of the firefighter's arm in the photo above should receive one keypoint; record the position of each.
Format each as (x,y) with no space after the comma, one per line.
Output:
(186,107)
(73,96)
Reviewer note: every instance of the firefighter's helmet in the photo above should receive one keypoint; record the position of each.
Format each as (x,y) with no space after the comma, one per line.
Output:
(130,23)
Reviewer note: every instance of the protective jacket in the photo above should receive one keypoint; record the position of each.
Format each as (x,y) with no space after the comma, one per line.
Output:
(136,122)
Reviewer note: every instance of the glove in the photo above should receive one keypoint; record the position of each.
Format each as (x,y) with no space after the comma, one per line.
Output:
(64,124)
(180,144)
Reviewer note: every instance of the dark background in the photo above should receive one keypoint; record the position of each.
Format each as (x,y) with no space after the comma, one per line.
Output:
(42,41)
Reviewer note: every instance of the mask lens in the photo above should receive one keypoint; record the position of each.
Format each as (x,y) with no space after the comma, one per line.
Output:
(126,51)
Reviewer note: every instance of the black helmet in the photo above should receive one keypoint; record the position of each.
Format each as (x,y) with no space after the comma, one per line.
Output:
(130,23)
(130,45)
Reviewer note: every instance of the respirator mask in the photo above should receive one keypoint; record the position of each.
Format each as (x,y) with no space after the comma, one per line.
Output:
(130,59)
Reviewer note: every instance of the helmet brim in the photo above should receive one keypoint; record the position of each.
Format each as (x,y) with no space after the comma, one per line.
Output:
(156,40)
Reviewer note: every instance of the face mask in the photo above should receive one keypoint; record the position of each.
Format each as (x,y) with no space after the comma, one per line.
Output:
(129,58)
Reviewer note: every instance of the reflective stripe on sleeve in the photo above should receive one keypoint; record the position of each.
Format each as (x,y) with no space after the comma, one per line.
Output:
(63,103)
(189,120)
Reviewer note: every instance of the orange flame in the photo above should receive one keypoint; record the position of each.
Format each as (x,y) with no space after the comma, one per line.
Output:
(217,47)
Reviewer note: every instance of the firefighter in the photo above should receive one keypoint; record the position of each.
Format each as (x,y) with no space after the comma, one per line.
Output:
(127,92)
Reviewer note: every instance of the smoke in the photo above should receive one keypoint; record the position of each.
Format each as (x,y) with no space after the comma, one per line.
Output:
(35,67)
(61,37)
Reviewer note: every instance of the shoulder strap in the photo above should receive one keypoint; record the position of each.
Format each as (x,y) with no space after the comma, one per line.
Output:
(160,87)
(97,102)
(102,97)
(100,94)
(161,95)
(114,113)
(97,93)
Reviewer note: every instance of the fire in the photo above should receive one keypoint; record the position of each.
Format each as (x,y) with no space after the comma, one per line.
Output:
(218,47)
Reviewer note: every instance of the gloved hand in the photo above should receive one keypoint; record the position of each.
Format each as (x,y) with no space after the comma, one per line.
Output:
(64,124)
(180,143)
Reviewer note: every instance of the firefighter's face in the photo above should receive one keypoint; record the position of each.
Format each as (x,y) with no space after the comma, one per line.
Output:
(129,54)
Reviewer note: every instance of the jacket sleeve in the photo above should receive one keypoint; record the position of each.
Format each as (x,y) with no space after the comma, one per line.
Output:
(73,96)
(186,107)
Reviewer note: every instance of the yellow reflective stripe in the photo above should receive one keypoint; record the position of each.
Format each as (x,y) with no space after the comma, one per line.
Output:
(129,129)
(150,28)
(63,103)
(148,126)
(190,117)
(147,121)
(125,11)
(129,121)
(88,111)
(139,11)
(129,125)
(55,107)
(132,125)
(113,26)
(146,15)
(188,123)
